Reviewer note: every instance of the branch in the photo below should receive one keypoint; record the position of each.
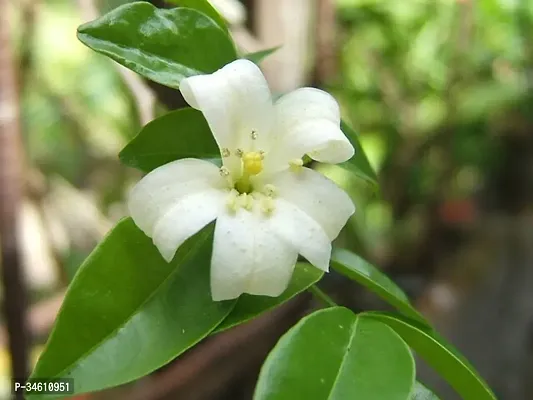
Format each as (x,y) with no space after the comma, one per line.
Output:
(15,298)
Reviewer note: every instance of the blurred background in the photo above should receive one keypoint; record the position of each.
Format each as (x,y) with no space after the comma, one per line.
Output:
(441,94)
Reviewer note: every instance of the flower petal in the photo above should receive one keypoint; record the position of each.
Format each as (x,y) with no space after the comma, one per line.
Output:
(248,258)
(235,101)
(317,196)
(302,232)
(158,191)
(186,217)
(308,122)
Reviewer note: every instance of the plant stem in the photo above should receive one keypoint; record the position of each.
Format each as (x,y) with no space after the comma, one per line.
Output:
(322,296)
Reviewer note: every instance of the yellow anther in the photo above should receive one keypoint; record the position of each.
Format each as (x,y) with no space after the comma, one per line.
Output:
(231,201)
(246,201)
(239,153)
(270,190)
(252,162)
(224,171)
(296,164)
(267,205)
(254,135)
(225,152)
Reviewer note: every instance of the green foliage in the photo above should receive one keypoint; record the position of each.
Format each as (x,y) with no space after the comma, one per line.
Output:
(335,354)
(361,271)
(178,134)
(438,354)
(258,56)
(162,45)
(358,164)
(128,312)
(204,7)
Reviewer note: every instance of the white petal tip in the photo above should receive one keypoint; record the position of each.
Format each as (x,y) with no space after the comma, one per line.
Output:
(322,265)
(223,296)
(167,255)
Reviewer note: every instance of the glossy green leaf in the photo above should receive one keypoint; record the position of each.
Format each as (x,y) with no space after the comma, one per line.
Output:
(358,164)
(249,307)
(440,355)
(128,312)
(420,392)
(334,354)
(162,45)
(357,269)
(258,56)
(178,134)
(204,7)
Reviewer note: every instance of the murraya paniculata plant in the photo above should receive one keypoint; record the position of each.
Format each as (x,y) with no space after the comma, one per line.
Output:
(228,204)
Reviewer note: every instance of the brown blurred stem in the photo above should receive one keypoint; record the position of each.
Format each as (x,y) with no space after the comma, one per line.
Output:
(322,296)
(326,67)
(10,196)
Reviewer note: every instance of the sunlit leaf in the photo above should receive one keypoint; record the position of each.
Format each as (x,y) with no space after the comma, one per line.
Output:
(178,134)
(358,164)
(128,312)
(440,355)
(335,354)
(361,271)
(258,56)
(204,7)
(165,46)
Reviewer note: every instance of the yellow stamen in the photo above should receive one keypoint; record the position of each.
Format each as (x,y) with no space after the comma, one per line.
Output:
(267,205)
(224,171)
(270,190)
(296,164)
(254,135)
(225,152)
(252,162)
(231,202)
(246,201)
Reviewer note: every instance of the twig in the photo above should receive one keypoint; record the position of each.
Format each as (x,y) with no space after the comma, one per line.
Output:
(15,298)
(326,44)
(322,296)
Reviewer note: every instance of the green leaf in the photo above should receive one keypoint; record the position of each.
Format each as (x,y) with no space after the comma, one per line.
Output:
(178,134)
(165,46)
(334,354)
(128,312)
(204,7)
(440,355)
(258,56)
(358,164)
(357,269)
(420,392)
(249,307)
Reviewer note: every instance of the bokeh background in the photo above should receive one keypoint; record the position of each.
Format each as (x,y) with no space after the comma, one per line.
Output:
(441,94)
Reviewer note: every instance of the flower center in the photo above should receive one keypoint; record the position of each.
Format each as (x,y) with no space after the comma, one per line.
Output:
(252,164)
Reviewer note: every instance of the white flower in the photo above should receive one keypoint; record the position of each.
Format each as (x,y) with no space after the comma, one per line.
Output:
(268,207)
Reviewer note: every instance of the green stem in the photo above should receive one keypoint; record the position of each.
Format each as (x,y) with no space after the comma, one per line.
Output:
(322,296)
(244,185)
